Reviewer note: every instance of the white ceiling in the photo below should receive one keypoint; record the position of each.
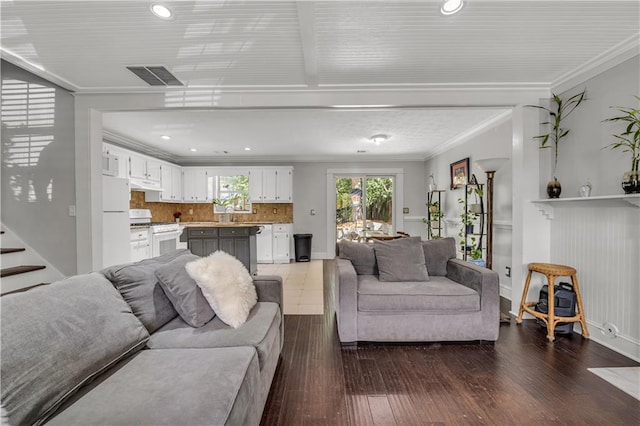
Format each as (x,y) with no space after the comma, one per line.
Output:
(312,46)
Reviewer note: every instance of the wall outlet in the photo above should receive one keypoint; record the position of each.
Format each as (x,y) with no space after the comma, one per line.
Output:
(610,330)
(275,211)
(405,210)
(190,211)
(72,210)
(255,211)
(507,272)
(312,212)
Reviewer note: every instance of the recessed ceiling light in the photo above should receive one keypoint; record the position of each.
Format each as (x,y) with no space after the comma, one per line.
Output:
(450,7)
(192,149)
(247,149)
(165,137)
(378,139)
(161,11)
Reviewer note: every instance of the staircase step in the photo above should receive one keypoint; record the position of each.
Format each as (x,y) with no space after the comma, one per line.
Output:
(15,270)
(11,250)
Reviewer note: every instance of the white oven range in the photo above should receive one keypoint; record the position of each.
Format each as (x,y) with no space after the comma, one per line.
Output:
(164,237)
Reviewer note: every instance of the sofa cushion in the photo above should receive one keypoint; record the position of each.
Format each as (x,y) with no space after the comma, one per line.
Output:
(57,337)
(138,284)
(227,286)
(172,387)
(437,253)
(439,294)
(361,256)
(185,295)
(401,260)
(262,331)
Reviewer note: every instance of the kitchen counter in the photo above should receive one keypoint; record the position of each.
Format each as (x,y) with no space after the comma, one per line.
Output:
(220,224)
(228,224)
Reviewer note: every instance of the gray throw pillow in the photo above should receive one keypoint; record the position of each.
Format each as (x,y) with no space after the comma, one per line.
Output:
(139,286)
(184,293)
(58,337)
(361,256)
(401,260)
(437,253)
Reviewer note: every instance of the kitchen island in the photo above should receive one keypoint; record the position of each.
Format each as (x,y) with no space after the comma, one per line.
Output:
(237,239)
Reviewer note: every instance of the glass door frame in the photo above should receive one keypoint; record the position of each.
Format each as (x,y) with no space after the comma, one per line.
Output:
(397,176)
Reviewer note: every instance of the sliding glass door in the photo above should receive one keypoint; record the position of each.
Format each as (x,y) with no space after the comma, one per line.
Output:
(364,207)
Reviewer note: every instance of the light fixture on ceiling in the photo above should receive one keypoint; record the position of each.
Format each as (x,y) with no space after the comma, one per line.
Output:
(378,139)
(247,149)
(192,149)
(165,137)
(162,12)
(451,7)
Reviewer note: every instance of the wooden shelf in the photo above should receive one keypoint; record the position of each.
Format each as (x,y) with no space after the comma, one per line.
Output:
(624,200)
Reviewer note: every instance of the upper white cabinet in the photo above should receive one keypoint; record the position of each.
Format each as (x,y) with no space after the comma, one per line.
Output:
(123,158)
(171,183)
(141,167)
(195,188)
(270,185)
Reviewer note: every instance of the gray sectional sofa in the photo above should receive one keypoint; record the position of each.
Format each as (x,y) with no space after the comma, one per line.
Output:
(109,348)
(408,290)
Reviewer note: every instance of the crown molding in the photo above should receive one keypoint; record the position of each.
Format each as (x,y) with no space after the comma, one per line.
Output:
(619,53)
(471,133)
(37,70)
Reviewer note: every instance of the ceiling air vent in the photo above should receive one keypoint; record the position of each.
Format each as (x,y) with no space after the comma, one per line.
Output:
(156,76)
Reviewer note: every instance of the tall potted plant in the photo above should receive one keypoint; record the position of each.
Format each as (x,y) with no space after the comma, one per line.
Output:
(629,141)
(558,111)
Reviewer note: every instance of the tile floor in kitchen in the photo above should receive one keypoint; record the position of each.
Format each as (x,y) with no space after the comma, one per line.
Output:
(302,284)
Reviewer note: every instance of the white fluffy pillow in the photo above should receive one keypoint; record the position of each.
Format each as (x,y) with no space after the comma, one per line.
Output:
(227,286)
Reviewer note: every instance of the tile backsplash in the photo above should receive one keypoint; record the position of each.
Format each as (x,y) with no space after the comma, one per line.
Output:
(203,212)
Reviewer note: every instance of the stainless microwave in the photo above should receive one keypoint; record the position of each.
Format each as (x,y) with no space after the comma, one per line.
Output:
(110,164)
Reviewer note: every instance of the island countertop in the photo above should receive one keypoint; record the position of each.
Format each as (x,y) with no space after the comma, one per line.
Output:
(221,224)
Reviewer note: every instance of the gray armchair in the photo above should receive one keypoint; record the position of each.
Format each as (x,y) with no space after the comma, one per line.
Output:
(459,301)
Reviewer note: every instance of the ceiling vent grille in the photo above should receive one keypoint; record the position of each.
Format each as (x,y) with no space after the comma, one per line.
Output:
(156,76)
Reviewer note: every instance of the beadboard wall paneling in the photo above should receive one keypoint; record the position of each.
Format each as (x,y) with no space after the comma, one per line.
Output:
(603,244)
(203,212)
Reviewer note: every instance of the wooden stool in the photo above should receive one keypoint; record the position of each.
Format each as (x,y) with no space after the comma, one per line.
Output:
(552,271)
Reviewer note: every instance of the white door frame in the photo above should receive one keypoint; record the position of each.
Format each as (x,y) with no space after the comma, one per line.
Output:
(398,198)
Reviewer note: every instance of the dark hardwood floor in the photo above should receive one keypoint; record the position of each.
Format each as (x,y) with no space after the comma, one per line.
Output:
(521,379)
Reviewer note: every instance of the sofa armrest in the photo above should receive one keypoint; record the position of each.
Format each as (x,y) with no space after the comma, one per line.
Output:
(485,281)
(346,281)
(269,288)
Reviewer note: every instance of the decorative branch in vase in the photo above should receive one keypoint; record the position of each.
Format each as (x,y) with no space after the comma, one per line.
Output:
(559,110)
(629,141)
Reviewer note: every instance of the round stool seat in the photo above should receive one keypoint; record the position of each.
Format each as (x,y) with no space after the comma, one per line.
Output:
(552,269)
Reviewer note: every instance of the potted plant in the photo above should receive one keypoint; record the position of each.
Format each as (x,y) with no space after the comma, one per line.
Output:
(475,255)
(629,141)
(558,111)
(221,205)
(433,223)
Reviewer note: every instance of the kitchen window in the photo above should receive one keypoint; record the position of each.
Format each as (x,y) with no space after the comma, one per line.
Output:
(232,191)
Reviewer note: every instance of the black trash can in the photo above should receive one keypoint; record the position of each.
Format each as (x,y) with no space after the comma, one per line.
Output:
(302,243)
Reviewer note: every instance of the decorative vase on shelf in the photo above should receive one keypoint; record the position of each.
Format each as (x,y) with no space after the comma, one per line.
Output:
(478,262)
(631,179)
(554,188)
(631,182)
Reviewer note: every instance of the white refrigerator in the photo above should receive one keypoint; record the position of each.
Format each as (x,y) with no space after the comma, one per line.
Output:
(116,236)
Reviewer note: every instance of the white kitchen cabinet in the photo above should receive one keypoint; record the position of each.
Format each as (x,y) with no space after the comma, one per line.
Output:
(141,167)
(270,185)
(281,243)
(123,158)
(195,185)
(284,185)
(171,183)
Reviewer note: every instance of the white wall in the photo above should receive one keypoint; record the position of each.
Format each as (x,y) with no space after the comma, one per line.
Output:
(601,239)
(38,159)
(310,192)
(494,142)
